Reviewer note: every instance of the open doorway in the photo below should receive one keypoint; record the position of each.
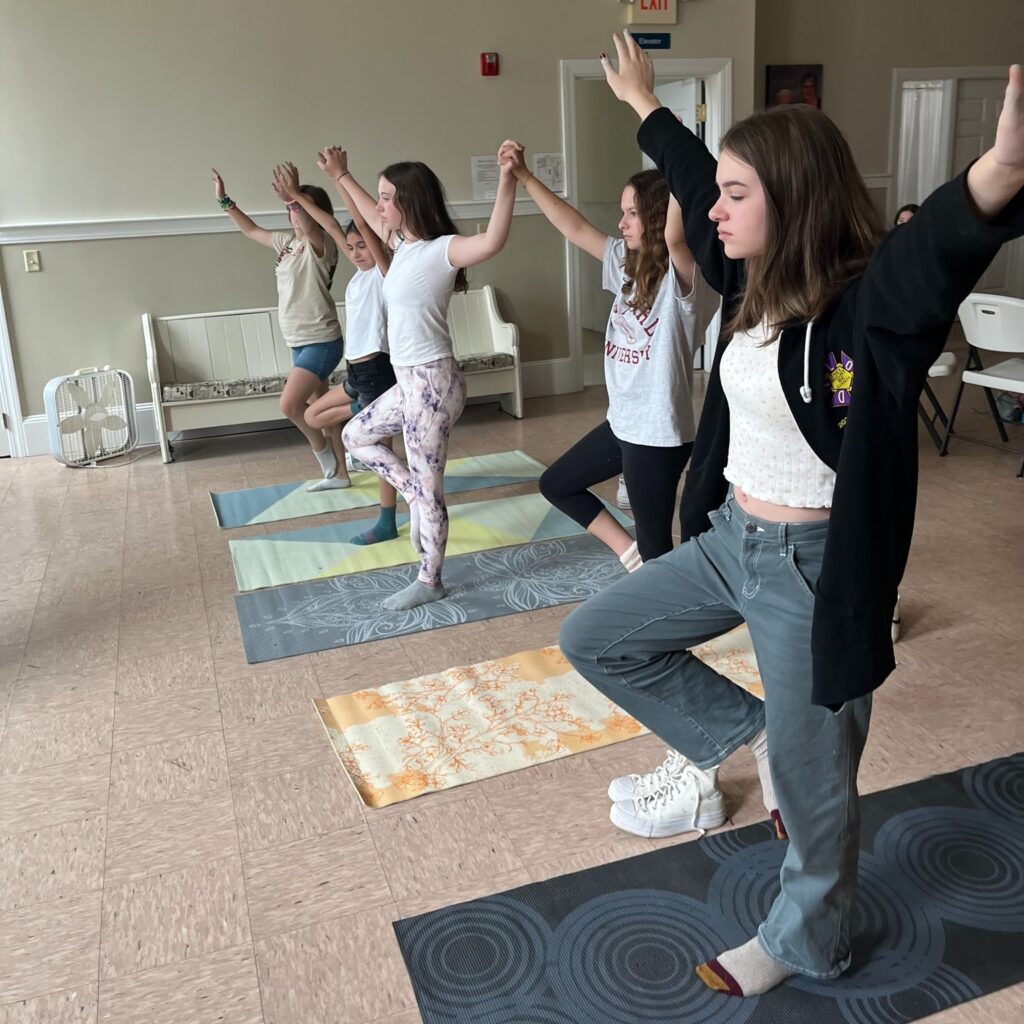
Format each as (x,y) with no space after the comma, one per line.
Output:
(599,141)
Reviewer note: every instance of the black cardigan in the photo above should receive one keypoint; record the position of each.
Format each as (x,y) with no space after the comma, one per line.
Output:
(892,322)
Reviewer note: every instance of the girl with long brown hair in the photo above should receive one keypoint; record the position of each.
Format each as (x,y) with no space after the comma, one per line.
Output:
(798,509)
(662,307)
(429,263)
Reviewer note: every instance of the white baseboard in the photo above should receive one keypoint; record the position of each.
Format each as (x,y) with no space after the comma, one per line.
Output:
(544,377)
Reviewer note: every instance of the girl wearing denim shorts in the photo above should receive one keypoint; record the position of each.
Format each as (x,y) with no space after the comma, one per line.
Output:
(306,258)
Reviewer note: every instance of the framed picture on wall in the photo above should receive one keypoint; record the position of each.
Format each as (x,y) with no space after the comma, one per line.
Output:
(792,83)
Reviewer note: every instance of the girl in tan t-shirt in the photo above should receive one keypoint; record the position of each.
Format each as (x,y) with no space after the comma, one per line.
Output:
(306,260)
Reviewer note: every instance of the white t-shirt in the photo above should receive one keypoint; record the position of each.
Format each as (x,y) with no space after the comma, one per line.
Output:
(305,306)
(417,292)
(365,319)
(768,456)
(648,358)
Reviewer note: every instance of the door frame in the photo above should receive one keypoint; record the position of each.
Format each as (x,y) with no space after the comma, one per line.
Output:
(716,72)
(9,386)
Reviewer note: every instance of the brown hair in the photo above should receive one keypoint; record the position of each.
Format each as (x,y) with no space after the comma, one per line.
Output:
(820,224)
(319,196)
(420,196)
(644,268)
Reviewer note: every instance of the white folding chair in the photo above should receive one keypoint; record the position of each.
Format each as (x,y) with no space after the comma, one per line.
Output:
(992,323)
(944,366)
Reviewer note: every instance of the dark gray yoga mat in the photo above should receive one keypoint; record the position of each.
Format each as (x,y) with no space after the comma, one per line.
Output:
(938,920)
(318,615)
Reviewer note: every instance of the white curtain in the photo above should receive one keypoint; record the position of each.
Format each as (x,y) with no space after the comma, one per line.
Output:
(923,140)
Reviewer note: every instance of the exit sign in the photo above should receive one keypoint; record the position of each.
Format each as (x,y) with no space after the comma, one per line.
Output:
(652,12)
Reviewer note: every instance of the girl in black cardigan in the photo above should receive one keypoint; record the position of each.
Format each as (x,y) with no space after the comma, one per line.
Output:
(798,508)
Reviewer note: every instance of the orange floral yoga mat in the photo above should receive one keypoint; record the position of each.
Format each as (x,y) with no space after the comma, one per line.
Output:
(443,730)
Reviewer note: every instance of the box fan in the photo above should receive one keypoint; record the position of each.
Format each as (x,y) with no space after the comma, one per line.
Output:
(90,415)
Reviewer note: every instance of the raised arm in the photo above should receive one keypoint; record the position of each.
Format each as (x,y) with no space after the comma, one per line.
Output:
(574,227)
(678,154)
(467,251)
(286,185)
(369,236)
(244,223)
(923,270)
(335,165)
(998,175)
(678,251)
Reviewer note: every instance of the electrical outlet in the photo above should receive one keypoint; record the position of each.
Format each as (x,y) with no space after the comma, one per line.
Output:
(33,264)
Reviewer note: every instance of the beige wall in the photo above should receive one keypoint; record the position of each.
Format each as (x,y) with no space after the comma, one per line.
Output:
(606,151)
(859,43)
(117,109)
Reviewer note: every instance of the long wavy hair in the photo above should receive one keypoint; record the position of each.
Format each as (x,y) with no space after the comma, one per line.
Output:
(644,268)
(820,224)
(420,196)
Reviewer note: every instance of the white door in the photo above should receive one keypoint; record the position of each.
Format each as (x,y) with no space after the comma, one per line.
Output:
(5,439)
(978,103)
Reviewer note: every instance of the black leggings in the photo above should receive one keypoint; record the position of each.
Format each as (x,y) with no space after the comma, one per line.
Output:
(652,478)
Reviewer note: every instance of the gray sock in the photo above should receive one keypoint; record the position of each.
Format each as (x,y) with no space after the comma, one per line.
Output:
(414,595)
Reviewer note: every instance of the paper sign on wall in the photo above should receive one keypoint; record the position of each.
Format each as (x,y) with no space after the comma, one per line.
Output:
(484,172)
(549,169)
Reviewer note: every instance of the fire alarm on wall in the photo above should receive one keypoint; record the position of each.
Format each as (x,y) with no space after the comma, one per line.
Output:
(488,64)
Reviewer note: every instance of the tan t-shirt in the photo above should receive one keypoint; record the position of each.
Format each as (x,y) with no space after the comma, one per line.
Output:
(305,306)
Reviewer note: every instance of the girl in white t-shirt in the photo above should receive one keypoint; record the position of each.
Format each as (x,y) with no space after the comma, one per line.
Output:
(370,374)
(662,308)
(429,263)
(305,265)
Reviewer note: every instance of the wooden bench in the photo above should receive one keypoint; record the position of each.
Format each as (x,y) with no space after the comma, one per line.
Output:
(228,368)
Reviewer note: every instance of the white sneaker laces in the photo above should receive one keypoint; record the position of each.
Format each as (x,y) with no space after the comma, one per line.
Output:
(681,782)
(662,776)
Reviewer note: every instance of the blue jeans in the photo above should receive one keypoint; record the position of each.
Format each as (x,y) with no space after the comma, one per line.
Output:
(632,642)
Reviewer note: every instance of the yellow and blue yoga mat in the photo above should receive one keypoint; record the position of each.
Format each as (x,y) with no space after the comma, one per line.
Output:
(323,551)
(292,501)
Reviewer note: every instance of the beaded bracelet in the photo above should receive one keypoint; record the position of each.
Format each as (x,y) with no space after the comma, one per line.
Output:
(294,205)
(226,203)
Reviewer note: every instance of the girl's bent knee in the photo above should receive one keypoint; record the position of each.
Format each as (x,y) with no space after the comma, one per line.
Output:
(579,640)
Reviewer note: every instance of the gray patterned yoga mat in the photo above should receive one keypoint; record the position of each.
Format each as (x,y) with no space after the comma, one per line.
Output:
(318,615)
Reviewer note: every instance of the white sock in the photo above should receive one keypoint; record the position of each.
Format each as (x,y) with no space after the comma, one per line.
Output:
(328,463)
(630,558)
(412,596)
(759,745)
(330,483)
(746,970)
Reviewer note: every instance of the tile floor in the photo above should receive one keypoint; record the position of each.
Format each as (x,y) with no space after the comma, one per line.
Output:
(177,842)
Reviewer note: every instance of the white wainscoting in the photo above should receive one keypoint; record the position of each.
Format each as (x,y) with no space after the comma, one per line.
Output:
(540,378)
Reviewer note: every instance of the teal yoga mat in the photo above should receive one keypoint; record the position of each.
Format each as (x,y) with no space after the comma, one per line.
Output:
(278,502)
(322,551)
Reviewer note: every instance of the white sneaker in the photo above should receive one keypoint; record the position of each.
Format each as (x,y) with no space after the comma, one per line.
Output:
(622,496)
(690,802)
(630,787)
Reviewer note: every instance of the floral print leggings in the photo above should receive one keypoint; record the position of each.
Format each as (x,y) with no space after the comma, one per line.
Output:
(423,405)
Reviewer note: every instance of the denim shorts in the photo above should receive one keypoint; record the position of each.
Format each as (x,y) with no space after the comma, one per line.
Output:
(321,358)
(369,379)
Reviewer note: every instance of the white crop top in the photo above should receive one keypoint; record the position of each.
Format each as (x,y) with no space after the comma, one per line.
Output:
(768,456)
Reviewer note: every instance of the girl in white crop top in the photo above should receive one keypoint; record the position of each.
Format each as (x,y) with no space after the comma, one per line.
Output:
(306,260)
(661,310)
(369,370)
(429,263)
